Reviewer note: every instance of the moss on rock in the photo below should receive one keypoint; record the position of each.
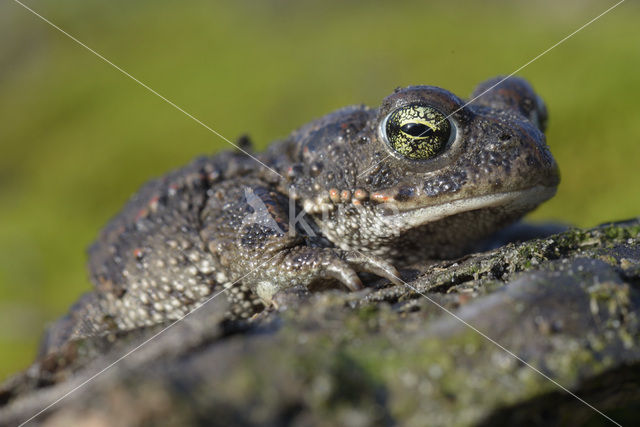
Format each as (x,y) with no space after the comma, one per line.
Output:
(466,342)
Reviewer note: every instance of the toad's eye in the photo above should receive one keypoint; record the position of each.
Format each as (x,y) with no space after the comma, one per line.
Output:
(417,131)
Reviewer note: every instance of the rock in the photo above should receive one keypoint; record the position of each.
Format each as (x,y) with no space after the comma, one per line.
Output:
(543,332)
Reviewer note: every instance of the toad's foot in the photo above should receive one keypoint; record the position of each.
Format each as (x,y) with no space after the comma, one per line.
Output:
(318,268)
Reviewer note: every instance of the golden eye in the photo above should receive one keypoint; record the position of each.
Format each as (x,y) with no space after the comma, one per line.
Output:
(417,131)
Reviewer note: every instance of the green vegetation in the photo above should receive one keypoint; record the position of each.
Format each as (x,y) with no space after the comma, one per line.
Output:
(78,137)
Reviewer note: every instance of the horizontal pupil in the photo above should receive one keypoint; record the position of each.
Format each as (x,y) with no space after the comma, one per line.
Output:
(416,129)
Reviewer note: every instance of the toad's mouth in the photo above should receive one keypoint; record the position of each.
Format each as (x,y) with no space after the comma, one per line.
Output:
(512,202)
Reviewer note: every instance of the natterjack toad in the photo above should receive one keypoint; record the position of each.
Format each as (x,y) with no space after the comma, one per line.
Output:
(423,176)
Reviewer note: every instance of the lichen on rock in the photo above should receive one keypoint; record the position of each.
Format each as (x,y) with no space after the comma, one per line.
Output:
(474,341)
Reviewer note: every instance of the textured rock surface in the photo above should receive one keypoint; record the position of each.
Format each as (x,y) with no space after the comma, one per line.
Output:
(568,305)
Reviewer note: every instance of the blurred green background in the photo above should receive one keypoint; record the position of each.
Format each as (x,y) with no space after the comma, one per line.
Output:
(78,137)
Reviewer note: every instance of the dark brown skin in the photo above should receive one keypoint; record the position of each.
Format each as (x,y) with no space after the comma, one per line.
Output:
(339,199)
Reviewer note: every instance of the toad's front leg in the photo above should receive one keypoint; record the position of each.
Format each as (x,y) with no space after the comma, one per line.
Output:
(247,226)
